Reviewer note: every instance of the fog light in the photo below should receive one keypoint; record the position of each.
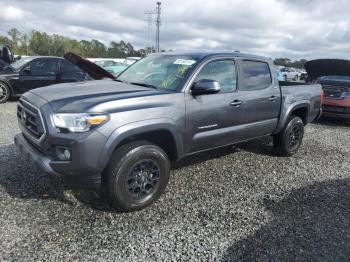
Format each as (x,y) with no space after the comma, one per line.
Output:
(63,153)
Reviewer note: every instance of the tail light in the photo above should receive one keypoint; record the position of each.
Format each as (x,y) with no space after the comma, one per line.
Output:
(322,96)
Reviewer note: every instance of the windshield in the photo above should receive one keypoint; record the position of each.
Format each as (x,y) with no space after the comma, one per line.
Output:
(161,71)
(19,63)
(129,61)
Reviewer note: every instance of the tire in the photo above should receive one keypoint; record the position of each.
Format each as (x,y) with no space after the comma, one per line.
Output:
(5,92)
(285,77)
(136,175)
(296,78)
(288,141)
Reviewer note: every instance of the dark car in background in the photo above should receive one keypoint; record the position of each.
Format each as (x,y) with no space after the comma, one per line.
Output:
(33,72)
(334,77)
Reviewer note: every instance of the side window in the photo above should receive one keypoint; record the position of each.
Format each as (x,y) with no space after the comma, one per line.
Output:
(222,71)
(68,67)
(255,75)
(43,66)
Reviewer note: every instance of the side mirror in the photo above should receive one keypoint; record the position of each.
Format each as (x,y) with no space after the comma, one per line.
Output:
(205,86)
(27,70)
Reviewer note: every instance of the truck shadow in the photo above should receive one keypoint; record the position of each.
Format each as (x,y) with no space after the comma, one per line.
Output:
(20,180)
(261,146)
(311,223)
(327,121)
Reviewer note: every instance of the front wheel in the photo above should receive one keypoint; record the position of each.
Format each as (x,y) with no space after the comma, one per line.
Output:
(4,93)
(136,175)
(288,141)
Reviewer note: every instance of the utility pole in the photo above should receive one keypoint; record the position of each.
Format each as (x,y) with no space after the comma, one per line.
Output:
(158,26)
(149,20)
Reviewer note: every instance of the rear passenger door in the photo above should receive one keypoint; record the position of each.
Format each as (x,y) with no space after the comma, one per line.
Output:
(260,96)
(69,72)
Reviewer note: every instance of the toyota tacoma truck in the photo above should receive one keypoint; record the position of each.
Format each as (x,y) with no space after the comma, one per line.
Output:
(122,134)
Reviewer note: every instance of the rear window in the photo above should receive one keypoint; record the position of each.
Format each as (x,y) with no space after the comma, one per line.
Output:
(255,75)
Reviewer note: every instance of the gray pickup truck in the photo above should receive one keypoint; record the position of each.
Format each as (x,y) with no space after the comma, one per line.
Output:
(122,134)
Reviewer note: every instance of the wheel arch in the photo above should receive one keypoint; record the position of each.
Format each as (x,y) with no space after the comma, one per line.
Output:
(164,134)
(300,109)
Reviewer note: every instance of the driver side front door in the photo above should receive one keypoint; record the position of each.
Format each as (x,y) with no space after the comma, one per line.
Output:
(211,118)
(40,72)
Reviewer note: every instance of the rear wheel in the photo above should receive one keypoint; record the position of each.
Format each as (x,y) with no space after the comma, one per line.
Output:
(4,93)
(288,141)
(137,175)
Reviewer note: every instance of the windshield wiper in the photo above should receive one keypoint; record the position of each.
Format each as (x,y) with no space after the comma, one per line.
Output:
(143,84)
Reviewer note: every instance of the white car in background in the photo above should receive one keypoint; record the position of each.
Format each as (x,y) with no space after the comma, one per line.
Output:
(290,74)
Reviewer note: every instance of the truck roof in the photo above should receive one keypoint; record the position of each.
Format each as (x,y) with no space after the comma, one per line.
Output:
(209,53)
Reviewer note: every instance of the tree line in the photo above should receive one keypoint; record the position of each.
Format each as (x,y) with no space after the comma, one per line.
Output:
(290,63)
(41,43)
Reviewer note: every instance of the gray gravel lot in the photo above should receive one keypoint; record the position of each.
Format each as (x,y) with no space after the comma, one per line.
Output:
(240,203)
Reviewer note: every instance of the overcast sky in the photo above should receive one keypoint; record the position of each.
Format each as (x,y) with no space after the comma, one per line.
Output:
(276,28)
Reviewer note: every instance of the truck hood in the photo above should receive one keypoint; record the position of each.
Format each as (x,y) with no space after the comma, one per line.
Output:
(83,96)
(327,67)
(95,71)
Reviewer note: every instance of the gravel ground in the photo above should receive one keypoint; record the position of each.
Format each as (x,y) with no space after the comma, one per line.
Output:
(241,203)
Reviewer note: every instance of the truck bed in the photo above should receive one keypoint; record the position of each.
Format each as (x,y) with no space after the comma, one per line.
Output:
(300,94)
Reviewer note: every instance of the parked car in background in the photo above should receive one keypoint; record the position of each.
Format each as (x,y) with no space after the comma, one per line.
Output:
(334,77)
(117,69)
(38,71)
(121,135)
(303,75)
(280,76)
(105,63)
(290,74)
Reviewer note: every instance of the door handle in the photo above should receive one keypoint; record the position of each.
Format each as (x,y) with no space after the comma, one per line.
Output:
(236,103)
(273,98)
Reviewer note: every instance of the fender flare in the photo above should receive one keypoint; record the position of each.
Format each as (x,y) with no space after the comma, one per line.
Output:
(285,115)
(138,128)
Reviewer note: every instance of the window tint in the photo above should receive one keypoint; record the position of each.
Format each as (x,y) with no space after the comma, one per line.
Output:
(222,71)
(255,75)
(67,66)
(43,66)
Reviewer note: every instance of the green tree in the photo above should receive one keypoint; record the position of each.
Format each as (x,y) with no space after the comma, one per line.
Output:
(40,43)
(15,36)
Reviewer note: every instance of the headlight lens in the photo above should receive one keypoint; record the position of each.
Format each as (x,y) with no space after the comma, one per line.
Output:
(78,122)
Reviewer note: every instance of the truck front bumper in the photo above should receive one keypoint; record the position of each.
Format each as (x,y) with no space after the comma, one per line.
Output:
(45,164)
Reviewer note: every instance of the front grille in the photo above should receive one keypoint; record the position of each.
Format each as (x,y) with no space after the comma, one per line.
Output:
(30,119)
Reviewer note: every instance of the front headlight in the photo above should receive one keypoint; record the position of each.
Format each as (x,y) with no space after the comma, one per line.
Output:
(78,122)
